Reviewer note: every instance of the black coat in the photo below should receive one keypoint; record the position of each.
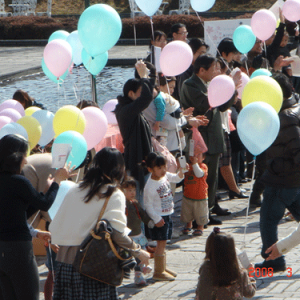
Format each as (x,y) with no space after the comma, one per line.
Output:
(283,167)
(135,130)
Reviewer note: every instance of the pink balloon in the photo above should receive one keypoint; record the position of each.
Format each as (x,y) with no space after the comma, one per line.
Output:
(4,120)
(176,57)
(245,79)
(291,10)
(263,24)
(58,57)
(96,126)
(220,90)
(11,113)
(11,103)
(108,109)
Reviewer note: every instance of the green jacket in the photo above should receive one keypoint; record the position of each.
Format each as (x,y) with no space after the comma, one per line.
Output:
(194,94)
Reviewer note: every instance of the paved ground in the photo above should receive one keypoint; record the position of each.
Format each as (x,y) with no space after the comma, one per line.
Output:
(23,60)
(186,253)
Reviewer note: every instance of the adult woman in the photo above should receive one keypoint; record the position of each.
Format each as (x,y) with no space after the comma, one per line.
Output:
(27,101)
(78,214)
(18,269)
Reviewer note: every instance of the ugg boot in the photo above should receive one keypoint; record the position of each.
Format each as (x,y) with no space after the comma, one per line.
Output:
(159,269)
(174,274)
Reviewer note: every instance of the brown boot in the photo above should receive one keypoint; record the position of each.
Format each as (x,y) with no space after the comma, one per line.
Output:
(174,274)
(159,269)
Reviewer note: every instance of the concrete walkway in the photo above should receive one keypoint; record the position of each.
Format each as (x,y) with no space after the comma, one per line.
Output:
(26,60)
(185,254)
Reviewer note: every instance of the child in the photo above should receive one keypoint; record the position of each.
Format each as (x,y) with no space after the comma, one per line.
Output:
(158,199)
(220,275)
(195,198)
(166,104)
(135,215)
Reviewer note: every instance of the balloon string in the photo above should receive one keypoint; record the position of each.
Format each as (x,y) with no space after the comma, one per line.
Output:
(247,69)
(152,30)
(265,48)
(225,62)
(50,250)
(134,34)
(251,189)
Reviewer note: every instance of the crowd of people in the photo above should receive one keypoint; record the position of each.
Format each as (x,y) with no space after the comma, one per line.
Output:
(164,122)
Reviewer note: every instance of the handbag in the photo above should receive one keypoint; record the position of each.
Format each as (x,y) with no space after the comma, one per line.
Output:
(99,257)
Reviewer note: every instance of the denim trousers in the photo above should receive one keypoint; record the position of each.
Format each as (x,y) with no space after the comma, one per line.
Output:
(275,201)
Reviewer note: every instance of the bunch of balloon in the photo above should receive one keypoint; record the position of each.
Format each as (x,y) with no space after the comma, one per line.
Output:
(99,29)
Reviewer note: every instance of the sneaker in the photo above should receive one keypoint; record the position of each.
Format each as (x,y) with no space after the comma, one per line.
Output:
(139,279)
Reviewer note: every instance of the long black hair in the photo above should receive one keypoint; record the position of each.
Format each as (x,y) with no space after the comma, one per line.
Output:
(108,168)
(13,149)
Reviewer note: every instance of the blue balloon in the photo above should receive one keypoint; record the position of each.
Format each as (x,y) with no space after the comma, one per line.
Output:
(52,77)
(260,72)
(58,34)
(258,126)
(149,7)
(201,5)
(99,28)
(96,64)
(13,128)
(244,39)
(64,187)
(78,144)
(45,119)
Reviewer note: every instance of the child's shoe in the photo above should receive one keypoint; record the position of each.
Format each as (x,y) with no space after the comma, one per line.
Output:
(139,279)
(159,269)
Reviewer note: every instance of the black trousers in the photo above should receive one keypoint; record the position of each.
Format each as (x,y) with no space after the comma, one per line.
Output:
(19,277)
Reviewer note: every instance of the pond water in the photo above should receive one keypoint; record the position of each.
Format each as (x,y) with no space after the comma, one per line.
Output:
(76,87)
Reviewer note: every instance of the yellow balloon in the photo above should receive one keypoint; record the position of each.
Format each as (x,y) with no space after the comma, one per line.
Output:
(265,89)
(33,128)
(30,110)
(69,117)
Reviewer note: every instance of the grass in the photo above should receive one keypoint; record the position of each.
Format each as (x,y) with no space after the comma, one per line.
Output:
(66,7)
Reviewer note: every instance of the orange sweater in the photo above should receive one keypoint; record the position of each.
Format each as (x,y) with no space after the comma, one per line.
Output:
(195,188)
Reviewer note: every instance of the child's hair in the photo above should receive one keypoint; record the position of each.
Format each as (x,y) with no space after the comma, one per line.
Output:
(157,36)
(155,159)
(163,80)
(128,182)
(220,250)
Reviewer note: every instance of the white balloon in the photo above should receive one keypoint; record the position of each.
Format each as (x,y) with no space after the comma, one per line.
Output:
(74,41)
(13,128)
(149,7)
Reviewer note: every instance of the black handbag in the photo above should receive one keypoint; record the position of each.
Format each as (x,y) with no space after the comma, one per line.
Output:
(99,257)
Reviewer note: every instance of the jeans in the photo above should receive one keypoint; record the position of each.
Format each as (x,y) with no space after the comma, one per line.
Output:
(275,201)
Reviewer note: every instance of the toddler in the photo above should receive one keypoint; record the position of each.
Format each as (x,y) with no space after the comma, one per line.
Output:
(220,275)
(135,216)
(195,198)
(158,199)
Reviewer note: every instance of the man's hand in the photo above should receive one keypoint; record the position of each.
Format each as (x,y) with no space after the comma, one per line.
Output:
(282,62)
(44,235)
(198,121)
(188,112)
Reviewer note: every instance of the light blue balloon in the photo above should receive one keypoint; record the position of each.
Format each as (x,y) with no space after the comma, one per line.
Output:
(260,72)
(258,126)
(96,64)
(52,77)
(58,34)
(64,187)
(45,119)
(99,28)
(13,128)
(244,38)
(149,7)
(78,143)
(74,41)
(201,5)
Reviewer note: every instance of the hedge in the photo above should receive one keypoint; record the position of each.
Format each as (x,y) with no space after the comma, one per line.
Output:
(32,27)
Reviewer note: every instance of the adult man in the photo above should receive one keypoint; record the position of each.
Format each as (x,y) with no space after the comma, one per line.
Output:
(282,177)
(179,32)
(194,94)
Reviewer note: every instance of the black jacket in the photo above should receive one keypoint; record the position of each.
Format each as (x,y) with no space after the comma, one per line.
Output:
(134,128)
(283,168)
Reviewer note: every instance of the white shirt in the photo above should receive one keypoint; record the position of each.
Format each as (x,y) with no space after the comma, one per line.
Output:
(75,218)
(158,197)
